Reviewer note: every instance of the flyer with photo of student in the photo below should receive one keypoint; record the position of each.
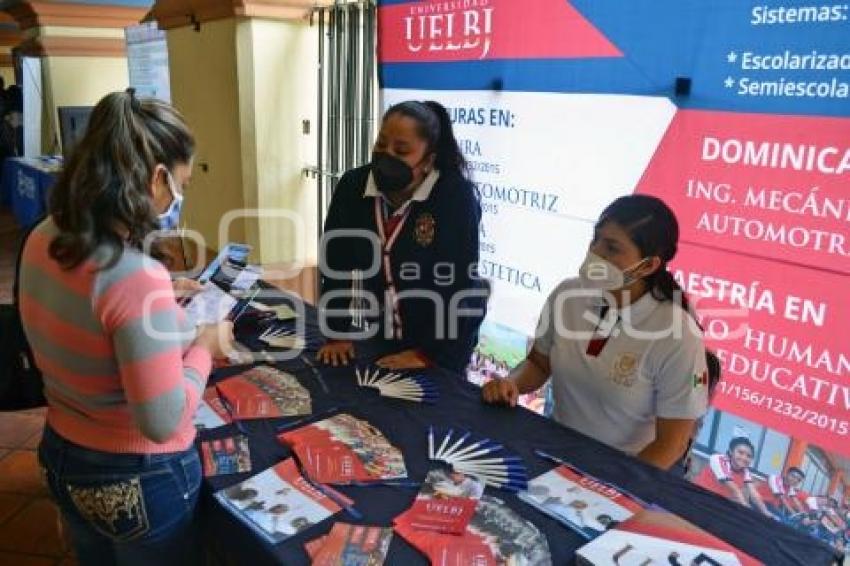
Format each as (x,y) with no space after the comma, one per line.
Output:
(580,502)
(279,502)
(445,504)
(655,536)
(496,535)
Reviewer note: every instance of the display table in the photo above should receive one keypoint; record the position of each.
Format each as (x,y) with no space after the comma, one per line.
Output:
(521,431)
(25,186)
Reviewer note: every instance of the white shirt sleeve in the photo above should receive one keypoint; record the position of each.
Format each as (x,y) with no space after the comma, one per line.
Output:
(544,335)
(681,380)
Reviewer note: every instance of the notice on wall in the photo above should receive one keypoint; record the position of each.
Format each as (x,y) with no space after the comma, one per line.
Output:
(147,61)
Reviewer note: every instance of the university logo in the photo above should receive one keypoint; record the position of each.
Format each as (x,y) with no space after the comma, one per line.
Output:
(624,370)
(474,30)
(426,228)
(442,26)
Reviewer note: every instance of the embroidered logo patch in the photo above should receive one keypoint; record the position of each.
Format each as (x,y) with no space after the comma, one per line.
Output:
(426,227)
(624,370)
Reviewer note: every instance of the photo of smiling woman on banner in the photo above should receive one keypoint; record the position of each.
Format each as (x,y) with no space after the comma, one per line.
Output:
(625,354)
(728,475)
(401,246)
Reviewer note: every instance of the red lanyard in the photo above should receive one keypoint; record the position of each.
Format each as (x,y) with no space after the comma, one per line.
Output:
(389,230)
(597,343)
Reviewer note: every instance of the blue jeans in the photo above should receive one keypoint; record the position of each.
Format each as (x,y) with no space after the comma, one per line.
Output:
(125,509)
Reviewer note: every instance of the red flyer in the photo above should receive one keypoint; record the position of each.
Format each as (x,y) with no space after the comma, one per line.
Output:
(314,546)
(343,449)
(495,535)
(445,504)
(462,553)
(307,435)
(330,463)
(351,544)
(448,516)
(265,392)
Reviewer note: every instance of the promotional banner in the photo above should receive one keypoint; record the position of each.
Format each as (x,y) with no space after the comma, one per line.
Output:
(737,115)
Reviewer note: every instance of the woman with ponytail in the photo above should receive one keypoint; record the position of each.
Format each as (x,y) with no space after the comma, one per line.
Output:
(123,369)
(622,347)
(400,251)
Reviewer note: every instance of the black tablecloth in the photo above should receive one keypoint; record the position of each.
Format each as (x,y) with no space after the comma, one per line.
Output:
(521,431)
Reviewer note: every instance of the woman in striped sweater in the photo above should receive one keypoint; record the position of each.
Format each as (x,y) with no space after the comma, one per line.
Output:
(123,370)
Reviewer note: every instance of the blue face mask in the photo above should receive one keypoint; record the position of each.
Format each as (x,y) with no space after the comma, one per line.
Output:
(170,218)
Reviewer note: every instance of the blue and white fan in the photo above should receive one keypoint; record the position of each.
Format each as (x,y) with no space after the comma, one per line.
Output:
(415,388)
(479,457)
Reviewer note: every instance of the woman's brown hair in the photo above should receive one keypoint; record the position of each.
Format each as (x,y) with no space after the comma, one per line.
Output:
(102,197)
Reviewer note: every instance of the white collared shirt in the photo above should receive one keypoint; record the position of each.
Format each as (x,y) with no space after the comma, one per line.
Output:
(644,370)
(421,194)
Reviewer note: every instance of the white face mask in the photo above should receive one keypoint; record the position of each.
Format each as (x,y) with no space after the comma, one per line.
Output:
(598,273)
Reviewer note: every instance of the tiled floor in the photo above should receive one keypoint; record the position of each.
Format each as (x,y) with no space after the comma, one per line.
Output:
(30,530)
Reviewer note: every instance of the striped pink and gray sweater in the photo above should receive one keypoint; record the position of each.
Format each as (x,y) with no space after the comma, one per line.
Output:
(120,373)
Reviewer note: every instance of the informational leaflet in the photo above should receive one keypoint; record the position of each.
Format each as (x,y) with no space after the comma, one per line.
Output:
(351,545)
(582,503)
(445,504)
(343,449)
(655,536)
(223,456)
(495,535)
(265,392)
(278,502)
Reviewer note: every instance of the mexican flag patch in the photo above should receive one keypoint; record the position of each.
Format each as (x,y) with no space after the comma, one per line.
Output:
(701,380)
